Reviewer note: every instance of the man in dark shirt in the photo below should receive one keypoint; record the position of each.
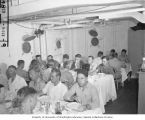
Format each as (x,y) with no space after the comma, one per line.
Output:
(22,73)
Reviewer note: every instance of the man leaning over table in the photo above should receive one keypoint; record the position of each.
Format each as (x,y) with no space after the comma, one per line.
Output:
(84,93)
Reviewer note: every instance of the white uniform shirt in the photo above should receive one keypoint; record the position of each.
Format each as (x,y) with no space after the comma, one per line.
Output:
(14,86)
(55,93)
(97,61)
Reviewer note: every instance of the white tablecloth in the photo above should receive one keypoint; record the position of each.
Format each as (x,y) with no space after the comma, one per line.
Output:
(124,74)
(106,88)
(87,112)
(65,111)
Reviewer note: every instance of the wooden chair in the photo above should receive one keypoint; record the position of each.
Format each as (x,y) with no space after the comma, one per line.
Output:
(117,78)
(118,81)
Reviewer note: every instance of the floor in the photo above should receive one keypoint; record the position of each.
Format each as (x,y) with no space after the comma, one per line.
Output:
(127,98)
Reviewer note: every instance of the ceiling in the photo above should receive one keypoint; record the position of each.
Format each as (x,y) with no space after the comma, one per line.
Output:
(59,13)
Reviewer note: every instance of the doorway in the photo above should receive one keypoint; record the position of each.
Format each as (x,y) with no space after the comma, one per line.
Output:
(136,48)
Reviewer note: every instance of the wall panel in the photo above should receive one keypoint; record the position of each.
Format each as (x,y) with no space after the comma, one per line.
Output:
(114,35)
(14,52)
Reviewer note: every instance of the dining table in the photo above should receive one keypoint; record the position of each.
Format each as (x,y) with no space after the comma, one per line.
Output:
(106,88)
(44,106)
(124,75)
(67,108)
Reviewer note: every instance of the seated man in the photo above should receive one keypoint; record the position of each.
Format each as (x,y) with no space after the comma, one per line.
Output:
(105,67)
(55,89)
(78,63)
(22,73)
(66,76)
(15,83)
(45,75)
(93,65)
(123,57)
(2,92)
(65,59)
(49,57)
(115,63)
(40,62)
(50,60)
(98,60)
(36,80)
(117,67)
(3,79)
(25,102)
(22,94)
(74,73)
(112,53)
(28,104)
(84,93)
(42,66)
(125,62)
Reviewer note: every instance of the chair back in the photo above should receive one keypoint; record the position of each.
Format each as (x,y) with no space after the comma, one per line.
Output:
(3,68)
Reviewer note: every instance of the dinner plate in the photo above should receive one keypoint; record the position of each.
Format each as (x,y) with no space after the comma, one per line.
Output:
(73,106)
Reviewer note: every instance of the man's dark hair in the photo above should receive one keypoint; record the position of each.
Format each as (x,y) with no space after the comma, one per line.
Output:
(91,57)
(66,64)
(82,71)
(33,64)
(112,50)
(105,57)
(57,71)
(123,50)
(23,92)
(38,56)
(20,62)
(1,86)
(66,56)
(12,66)
(7,71)
(116,55)
(50,63)
(50,56)
(100,53)
(78,55)
(26,91)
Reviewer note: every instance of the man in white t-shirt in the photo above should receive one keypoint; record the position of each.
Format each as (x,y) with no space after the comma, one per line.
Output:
(55,89)
(15,82)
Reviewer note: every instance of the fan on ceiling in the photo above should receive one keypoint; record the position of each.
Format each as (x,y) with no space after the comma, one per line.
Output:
(36,33)
(26,46)
(28,37)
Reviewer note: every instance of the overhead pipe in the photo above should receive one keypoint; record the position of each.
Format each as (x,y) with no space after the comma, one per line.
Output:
(138,16)
(84,15)
(43,5)
(92,14)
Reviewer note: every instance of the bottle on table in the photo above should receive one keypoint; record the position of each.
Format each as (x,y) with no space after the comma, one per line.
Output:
(58,108)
